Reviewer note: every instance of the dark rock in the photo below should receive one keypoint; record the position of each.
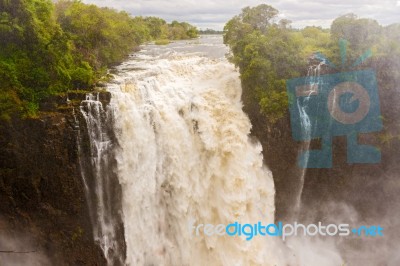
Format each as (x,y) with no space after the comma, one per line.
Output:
(104,97)
(41,188)
(77,95)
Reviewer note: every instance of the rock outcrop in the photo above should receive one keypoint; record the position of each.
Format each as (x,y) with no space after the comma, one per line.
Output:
(43,206)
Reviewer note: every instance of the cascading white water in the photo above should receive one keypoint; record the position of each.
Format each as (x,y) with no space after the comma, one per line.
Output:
(185,155)
(97,178)
(313,79)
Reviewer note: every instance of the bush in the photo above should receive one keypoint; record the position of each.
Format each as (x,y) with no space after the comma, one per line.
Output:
(162,42)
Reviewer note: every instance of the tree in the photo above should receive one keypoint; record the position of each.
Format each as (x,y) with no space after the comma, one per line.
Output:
(155,27)
(33,50)
(48,48)
(360,33)
(267,54)
(259,17)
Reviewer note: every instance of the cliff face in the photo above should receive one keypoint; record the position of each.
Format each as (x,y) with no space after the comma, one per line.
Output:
(41,190)
(362,188)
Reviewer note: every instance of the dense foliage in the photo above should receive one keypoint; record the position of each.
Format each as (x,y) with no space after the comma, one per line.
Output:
(268,51)
(48,48)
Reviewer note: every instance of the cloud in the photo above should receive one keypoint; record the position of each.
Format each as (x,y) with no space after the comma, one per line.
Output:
(215,13)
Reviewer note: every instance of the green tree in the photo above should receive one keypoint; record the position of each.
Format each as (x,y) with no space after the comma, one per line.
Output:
(48,48)
(360,33)
(33,51)
(155,26)
(267,53)
(259,17)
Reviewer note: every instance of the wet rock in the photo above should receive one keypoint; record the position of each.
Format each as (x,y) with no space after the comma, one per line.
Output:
(41,188)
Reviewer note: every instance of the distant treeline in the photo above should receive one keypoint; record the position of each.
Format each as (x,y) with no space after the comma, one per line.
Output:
(48,48)
(268,52)
(210,31)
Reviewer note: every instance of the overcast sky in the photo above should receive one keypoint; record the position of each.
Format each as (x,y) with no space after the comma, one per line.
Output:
(215,13)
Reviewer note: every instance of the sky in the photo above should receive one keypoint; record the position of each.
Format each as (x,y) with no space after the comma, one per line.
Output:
(215,13)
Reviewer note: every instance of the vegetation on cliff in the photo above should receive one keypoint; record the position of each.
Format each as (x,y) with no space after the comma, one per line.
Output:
(47,48)
(268,51)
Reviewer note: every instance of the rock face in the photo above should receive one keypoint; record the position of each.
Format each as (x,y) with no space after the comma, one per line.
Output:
(357,194)
(362,188)
(43,206)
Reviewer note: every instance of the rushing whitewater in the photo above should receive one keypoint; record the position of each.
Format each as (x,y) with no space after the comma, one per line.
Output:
(175,138)
(185,155)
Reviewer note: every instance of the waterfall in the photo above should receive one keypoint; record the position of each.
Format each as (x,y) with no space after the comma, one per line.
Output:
(96,167)
(175,141)
(185,155)
(313,79)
